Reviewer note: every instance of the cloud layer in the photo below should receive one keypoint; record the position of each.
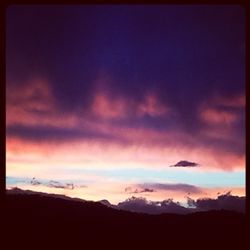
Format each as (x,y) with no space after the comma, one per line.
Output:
(44,122)
(222,202)
(172,187)
(91,88)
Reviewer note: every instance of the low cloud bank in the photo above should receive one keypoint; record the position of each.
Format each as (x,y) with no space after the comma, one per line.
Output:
(225,201)
(222,202)
(142,205)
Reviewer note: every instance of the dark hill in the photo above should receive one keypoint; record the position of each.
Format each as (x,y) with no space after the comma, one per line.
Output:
(32,220)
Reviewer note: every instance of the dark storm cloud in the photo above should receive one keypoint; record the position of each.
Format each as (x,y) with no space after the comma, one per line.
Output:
(46,133)
(53,42)
(168,47)
(185,55)
(146,121)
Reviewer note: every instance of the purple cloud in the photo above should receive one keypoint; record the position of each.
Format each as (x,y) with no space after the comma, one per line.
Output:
(171,187)
(222,202)
(225,201)
(185,164)
(141,205)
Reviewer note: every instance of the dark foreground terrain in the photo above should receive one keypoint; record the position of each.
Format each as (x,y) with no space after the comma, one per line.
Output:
(35,221)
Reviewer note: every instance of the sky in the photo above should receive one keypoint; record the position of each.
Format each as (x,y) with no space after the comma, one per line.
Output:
(114,101)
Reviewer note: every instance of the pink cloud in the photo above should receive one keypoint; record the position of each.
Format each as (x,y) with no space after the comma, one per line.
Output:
(140,153)
(145,147)
(211,114)
(181,195)
(34,94)
(215,116)
(26,101)
(109,107)
(105,107)
(219,125)
(23,99)
(151,106)
(237,101)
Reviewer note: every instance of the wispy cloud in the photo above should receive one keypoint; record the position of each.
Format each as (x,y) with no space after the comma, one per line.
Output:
(131,190)
(178,187)
(52,184)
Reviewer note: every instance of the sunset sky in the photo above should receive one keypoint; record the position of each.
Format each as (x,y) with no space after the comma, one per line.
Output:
(110,98)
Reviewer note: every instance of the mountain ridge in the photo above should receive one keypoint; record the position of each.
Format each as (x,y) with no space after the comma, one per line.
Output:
(49,219)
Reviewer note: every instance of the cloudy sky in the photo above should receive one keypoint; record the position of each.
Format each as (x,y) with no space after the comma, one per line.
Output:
(119,100)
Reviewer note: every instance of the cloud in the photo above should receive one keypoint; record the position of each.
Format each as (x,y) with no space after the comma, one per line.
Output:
(28,101)
(131,70)
(224,201)
(179,187)
(124,147)
(234,101)
(136,190)
(149,95)
(56,184)
(108,108)
(218,117)
(222,123)
(142,205)
(50,133)
(35,182)
(53,184)
(152,107)
(185,164)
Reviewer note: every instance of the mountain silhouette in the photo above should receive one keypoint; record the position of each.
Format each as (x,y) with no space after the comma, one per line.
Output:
(62,221)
